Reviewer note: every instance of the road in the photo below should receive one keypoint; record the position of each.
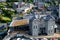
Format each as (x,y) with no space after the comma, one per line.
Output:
(56,35)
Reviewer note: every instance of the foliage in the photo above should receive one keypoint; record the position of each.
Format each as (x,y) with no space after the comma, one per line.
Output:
(7,11)
(6,14)
(3,5)
(9,4)
(31,1)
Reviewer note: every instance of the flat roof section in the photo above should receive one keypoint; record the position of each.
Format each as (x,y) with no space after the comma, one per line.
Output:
(19,22)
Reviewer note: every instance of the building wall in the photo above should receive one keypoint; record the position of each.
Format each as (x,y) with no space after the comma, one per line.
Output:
(38,0)
(50,28)
(35,27)
(20,0)
(42,0)
(59,10)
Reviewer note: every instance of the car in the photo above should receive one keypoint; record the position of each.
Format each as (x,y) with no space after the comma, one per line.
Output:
(20,38)
(3,31)
(44,39)
(35,39)
(19,34)
(26,39)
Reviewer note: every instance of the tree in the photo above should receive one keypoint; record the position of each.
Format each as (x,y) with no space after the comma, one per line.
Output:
(3,4)
(30,1)
(24,0)
(9,5)
(0,16)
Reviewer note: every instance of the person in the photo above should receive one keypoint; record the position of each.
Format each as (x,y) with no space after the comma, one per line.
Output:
(55,28)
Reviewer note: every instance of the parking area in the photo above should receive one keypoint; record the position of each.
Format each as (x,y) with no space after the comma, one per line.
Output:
(56,35)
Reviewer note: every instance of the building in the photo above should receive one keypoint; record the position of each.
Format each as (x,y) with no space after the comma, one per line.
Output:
(35,27)
(59,10)
(39,24)
(20,0)
(44,26)
(19,22)
(28,16)
(50,25)
(2,0)
(42,0)
(22,7)
(39,5)
(38,0)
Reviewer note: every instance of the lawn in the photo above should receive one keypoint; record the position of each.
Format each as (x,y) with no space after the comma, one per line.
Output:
(6,18)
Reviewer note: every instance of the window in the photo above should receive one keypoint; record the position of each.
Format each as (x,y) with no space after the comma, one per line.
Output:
(35,27)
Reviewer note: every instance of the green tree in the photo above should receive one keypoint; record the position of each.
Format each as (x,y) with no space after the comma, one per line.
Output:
(2,4)
(30,1)
(0,16)
(9,4)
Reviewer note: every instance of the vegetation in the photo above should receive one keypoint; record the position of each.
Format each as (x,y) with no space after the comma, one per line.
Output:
(6,13)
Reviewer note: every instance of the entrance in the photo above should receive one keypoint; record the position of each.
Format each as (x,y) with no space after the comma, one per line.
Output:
(43,31)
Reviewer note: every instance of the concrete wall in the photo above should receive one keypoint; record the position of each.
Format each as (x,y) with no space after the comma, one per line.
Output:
(50,28)
(35,27)
(59,10)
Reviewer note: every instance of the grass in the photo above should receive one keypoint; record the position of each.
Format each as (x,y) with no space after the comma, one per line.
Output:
(46,4)
(6,18)
(20,14)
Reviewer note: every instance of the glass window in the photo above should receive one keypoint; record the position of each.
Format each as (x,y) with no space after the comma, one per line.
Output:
(35,27)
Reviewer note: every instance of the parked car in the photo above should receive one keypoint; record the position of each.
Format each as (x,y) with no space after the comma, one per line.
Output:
(44,39)
(3,31)
(20,38)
